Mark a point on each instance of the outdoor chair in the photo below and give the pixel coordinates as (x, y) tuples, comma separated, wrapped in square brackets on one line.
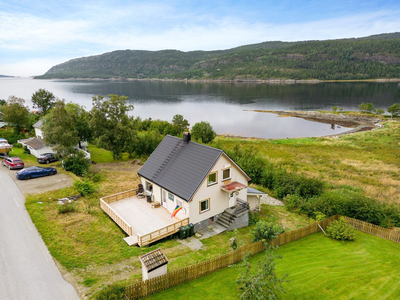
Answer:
[(140, 191)]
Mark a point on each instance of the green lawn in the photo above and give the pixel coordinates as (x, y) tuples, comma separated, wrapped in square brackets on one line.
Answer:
[(318, 268)]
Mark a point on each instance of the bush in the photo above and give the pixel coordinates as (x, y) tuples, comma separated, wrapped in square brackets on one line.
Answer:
[(18, 145), (253, 218), (203, 131), (26, 150), (265, 231), (66, 207), (77, 164), (112, 292), (340, 230), (85, 187)]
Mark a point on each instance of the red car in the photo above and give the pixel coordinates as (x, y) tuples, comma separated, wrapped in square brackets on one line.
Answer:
[(13, 163)]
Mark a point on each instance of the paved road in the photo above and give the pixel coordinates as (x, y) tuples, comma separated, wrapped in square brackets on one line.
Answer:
[(27, 270)]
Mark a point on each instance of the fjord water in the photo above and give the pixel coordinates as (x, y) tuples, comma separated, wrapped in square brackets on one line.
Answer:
[(227, 106)]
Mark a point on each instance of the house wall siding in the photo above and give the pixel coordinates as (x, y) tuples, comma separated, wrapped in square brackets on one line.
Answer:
[(219, 200), (157, 196)]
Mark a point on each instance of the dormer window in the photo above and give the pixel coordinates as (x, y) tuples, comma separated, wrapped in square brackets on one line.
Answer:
[(212, 178), (226, 174)]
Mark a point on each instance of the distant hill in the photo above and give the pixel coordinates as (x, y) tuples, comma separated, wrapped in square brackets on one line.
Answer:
[(376, 56), (1, 76)]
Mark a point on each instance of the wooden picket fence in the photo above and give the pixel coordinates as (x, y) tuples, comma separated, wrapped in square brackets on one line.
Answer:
[(154, 285), (385, 233), (157, 284)]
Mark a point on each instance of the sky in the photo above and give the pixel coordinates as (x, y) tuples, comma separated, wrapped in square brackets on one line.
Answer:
[(37, 34)]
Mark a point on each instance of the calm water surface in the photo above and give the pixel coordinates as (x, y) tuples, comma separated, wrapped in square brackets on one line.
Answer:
[(223, 105)]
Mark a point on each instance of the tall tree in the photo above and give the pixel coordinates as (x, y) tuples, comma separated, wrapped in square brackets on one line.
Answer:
[(81, 118), (16, 114), (110, 122), (43, 100), (180, 122), (394, 109), (59, 129)]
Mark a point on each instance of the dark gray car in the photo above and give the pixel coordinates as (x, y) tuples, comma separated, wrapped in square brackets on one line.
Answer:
[(46, 158)]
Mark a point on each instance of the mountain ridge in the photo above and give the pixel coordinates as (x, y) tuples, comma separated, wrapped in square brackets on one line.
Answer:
[(375, 56)]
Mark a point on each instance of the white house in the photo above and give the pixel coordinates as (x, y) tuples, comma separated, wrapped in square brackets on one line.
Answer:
[(204, 181), (36, 146), (39, 134), (186, 183)]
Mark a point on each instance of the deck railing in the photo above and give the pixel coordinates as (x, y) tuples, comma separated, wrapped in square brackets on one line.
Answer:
[(119, 196), (161, 233), (113, 215)]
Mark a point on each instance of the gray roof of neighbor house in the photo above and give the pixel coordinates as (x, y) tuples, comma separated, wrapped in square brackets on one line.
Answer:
[(35, 143), (251, 190), (178, 166), (38, 124)]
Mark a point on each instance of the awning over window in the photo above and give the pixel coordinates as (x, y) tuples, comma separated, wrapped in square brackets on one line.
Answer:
[(233, 187)]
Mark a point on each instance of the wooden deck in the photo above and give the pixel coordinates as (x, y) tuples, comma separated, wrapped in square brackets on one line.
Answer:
[(139, 220)]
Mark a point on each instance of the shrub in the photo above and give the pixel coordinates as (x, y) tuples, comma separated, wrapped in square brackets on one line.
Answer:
[(76, 163), (26, 150), (340, 230), (203, 131), (85, 187), (66, 207), (265, 231), (18, 145), (112, 292), (253, 218)]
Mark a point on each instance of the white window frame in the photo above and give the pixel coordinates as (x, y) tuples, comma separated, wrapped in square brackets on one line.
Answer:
[(208, 205), (213, 182), (229, 177)]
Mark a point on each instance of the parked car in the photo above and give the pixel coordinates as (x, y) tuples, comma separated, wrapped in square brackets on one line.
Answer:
[(33, 172), (46, 158), (13, 163)]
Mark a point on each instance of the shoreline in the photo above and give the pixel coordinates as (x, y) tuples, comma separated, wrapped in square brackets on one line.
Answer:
[(358, 123), (242, 80)]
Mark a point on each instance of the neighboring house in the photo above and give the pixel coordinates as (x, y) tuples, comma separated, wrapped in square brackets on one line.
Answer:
[(2, 124), (204, 183), (36, 146), (39, 134)]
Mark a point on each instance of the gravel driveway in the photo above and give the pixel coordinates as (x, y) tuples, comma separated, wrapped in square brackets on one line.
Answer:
[(41, 184)]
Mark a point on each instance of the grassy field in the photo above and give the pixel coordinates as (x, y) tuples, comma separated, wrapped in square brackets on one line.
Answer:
[(89, 246), (317, 268), (369, 160)]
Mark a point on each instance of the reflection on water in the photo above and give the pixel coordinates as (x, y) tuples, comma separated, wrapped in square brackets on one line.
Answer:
[(222, 104)]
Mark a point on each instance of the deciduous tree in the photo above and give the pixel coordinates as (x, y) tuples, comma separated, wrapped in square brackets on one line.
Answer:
[(43, 100), (394, 109), (81, 119), (59, 129), (16, 114), (203, 131), (259, 281), (110, 122), (180, 122)]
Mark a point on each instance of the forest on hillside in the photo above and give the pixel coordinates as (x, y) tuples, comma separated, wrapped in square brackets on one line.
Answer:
[(364, 58)]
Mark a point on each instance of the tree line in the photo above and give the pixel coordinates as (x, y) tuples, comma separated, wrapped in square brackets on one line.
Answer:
[(107, 124)]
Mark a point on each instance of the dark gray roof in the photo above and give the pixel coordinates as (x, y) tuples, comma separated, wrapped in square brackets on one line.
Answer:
[(251, 190), (179, 167), (38, 124)]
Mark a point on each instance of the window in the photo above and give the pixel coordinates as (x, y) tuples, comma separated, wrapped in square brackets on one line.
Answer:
[(212, 178), (170, 196), (149, 186), (204, 205), (226, 174), (179, 202)]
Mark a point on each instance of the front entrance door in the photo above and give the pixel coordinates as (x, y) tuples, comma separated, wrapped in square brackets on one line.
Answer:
[(231, 199), (164, 198)]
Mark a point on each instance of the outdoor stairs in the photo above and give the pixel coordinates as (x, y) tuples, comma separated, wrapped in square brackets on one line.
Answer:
[(230, 215)]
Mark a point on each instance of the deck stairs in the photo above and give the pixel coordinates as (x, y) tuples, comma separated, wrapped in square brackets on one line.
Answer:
[(231, 214)]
